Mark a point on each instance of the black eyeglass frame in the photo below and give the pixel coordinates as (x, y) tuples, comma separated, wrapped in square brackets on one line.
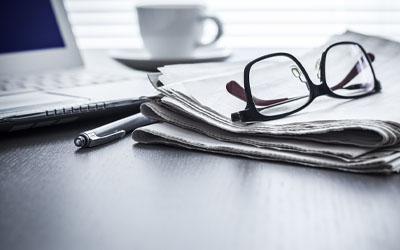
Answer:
[(251, 113)]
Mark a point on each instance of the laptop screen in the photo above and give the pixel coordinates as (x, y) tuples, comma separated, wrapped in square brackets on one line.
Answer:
[(28, 25)]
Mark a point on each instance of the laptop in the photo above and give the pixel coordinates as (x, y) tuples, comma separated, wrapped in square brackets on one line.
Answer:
[(42, 77)]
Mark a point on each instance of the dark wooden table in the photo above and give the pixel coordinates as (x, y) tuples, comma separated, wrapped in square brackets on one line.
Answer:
[(129, 196)]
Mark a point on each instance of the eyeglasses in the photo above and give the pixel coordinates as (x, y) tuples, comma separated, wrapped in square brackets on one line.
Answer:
[(283, 87)]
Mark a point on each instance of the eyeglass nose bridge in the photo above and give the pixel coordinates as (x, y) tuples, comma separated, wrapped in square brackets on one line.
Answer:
[(321, 89)]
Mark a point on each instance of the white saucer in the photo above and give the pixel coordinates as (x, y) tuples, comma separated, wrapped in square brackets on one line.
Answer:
[(141, 59)]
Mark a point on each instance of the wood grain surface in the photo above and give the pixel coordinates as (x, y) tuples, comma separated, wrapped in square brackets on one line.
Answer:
[(129, 196)]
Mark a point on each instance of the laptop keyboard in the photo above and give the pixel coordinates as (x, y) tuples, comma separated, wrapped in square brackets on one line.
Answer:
[(54, 80)]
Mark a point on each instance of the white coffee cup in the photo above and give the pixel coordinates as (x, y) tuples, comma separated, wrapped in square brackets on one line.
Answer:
[(174, 31)]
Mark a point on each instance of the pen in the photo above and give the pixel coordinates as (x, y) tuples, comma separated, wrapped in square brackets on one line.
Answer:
[(111, 131)]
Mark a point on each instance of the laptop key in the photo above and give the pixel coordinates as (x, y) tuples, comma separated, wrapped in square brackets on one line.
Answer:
[(76, 109), (92, 106), (100, 105), (68, 110), (84, 108), (59, 111), (50, 112)]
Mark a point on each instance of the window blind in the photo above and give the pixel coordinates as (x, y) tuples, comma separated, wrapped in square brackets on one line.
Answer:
[(110, 24)]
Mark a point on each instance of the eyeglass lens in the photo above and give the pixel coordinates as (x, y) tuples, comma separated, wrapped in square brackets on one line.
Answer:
[(278, 86), (347, 71)]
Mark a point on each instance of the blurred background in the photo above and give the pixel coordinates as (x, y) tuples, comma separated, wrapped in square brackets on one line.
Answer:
[(110, 24)]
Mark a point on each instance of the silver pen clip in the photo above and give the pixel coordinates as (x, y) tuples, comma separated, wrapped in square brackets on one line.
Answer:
[(90, 139)]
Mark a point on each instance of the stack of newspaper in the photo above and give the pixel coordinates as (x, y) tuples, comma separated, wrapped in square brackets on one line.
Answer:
[(359, 135)]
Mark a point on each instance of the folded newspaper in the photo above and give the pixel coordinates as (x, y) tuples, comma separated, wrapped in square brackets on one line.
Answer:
[(356, 135)]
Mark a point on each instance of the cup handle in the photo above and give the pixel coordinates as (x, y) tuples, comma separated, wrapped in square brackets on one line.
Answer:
[(220, 28)]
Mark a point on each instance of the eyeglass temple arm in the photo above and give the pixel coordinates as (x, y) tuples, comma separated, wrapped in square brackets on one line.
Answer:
[(236, 90), (353, 73)]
